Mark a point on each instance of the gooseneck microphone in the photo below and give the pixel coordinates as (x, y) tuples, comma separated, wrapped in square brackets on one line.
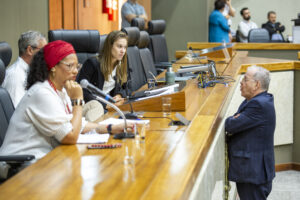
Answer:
[(85, 84)]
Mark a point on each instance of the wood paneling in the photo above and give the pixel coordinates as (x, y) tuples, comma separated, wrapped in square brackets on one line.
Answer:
[(299, 55), (287, 166), (55, 14)]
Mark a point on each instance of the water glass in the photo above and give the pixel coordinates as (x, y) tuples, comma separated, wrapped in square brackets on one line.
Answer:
[(166, 105)]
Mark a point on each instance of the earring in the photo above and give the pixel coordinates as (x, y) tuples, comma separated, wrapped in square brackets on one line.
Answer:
[(53, 72)]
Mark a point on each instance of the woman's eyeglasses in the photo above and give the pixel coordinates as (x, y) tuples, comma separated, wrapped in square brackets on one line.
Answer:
[(72, 66)]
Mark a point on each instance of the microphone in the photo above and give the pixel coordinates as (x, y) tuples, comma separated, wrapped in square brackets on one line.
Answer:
[(85, 84)]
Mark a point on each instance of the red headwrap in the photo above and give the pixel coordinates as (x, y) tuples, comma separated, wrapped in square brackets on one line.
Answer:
[(55, 51)]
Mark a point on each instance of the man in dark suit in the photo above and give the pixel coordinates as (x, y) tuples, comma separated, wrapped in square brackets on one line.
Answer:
[(250, 137), (274, 28)]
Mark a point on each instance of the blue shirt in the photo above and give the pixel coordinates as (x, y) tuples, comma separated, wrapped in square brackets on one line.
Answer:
[(218, 27), (130, 8)]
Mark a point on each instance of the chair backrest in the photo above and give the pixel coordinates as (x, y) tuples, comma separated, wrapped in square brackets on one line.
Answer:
[(85, 42), (237, 36), (136, 72), (102, 40), (138, 22), (6, 106), (258, 35), (158, 44), (146, 56), (5, 53)]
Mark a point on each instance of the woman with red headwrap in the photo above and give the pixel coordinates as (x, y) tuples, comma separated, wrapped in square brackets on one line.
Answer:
[(50, 112)]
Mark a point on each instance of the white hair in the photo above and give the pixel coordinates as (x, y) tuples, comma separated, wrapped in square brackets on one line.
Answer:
[(262, 75)]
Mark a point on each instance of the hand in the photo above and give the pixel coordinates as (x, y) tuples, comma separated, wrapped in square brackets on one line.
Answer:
[(119, 128), (236, 116), (74, 90), (228, 2), (119, 100)]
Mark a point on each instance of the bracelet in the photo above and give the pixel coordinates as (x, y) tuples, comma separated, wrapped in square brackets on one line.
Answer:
[(77, 102), (108, 127)]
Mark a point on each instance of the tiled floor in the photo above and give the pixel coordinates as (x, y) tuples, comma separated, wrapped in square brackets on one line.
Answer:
[(286, 186)]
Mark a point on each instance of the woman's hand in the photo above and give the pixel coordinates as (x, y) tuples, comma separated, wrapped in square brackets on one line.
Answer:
[(119, 100), (74, 90), (115, 128)]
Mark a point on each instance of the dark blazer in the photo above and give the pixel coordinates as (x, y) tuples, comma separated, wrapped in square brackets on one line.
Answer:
[(273, 29), (91, 71), (251, 141)]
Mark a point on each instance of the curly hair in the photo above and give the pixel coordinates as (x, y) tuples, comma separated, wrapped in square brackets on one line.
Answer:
[(38, 69)]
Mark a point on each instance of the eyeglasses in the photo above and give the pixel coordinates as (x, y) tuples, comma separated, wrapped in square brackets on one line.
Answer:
[(33, 47), (72, 66)]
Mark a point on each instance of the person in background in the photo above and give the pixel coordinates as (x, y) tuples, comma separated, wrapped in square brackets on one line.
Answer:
[(228, 12), (15, 78), (51, 111), (250, 137), (218, 25), (108, 72), (245, 25), (274, 28), (131, 9)]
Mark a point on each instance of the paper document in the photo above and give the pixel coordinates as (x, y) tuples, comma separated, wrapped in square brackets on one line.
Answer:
[(92, 137), (118, 121)]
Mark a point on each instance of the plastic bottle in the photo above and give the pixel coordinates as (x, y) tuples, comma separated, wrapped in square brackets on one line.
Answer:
[(170, 76)]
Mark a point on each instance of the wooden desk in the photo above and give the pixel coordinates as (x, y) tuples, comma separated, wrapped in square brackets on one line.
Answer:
[(298, 55), (265, 50), (165, 166)]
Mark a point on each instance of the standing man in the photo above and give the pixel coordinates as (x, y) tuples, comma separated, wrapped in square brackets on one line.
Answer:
[(16, 75), (130, 10), (274, 28), (245, 25), (250, 135), (218, 25)]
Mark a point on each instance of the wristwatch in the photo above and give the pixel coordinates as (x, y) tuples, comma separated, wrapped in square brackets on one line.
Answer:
[(109, 128), (77, 102)]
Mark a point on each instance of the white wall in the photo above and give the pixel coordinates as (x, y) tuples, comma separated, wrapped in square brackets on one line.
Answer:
[(285, 9)]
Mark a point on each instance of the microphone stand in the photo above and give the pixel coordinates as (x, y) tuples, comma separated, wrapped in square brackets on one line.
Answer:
[(119, 135)]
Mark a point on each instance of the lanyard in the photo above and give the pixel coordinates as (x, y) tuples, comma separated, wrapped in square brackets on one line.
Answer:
[(67, 109)]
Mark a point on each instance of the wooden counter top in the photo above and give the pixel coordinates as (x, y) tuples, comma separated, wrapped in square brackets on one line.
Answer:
[(165, 166)]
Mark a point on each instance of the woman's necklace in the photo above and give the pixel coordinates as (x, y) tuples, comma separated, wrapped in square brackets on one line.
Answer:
[(67, 109)]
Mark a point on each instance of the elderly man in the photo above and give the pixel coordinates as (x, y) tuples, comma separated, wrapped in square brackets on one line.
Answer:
[(16, 75), (131, 9), (274, 28), (250, 134)]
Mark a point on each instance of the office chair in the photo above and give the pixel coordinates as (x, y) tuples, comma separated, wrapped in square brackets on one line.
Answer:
[(85, 42), (259, 35), (138, 22), (5, 53), (158, 44), (237, 36), (6, 111), (146, 56), (101, 45), (136, 72)]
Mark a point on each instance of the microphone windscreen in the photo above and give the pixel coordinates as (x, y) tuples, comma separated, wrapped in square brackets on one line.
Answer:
[(84, 83)]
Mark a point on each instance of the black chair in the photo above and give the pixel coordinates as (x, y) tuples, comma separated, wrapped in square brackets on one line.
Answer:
[(85, 42), (5, 53), (158, 44), (259, 35), (136, 72), (138, 22), (146, 56), (237, 36), (6, 111), (101, 45)]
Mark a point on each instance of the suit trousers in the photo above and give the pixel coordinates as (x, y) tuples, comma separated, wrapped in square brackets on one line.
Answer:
[(250, 191)]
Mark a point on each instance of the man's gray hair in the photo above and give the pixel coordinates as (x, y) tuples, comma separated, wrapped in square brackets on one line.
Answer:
[(262, 75), (29, 38)]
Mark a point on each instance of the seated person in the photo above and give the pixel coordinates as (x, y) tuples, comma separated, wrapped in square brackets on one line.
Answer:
[(274, 28), (108, 72), (15, 78), (218, 25), (51, 111), (245, 25), (130, 10)]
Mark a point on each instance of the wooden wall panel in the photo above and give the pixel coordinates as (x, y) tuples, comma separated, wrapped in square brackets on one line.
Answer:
[(55, 14), (69, 14)]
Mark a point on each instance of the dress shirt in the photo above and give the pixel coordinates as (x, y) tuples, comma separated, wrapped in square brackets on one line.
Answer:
[(15, 80), (244, 27), (110, 84)]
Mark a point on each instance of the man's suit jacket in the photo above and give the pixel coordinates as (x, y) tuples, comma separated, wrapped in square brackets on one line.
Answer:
[(273, 29), (251, 141)]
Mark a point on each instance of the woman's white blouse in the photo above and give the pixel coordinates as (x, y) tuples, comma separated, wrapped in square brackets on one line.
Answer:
[(110, 84), (39, 123)]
